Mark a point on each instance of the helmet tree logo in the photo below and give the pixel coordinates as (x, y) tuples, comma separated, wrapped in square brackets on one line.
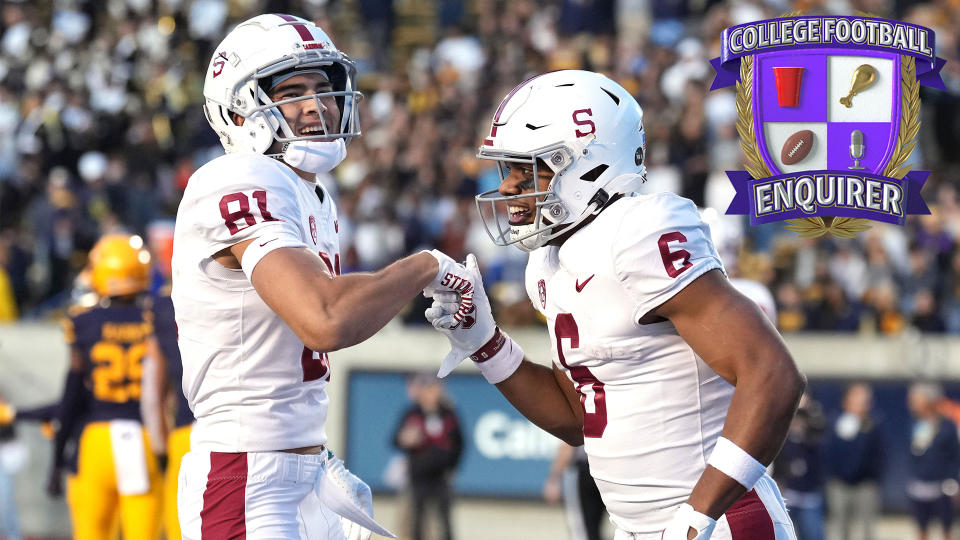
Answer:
[(828, 114)]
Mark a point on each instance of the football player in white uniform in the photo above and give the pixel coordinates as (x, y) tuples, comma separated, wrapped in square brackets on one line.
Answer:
[(682, 390), (258, 294)]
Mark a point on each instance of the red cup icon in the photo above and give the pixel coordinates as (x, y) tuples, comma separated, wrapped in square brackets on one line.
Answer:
[(788, 85)]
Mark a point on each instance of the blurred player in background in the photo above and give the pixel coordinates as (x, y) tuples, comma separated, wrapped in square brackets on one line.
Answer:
[(13, 456), (570, 481), (165, 407), (659, 345), (117, 473), (258, 294)]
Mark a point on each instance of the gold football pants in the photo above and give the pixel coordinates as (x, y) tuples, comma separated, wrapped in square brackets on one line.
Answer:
[(95, 500)]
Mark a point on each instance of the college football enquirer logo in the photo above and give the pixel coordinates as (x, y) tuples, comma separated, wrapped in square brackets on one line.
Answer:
[(828, 114)]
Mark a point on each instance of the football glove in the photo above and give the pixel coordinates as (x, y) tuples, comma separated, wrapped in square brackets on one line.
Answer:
[(350, 498), (453, 277), (463, 316), (687, 518)]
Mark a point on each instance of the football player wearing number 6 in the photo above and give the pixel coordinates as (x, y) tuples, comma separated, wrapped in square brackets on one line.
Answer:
[(258, 296), (117, 472), (679, 388)]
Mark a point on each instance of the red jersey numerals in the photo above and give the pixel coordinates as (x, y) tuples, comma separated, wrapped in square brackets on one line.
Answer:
[(588, 386), (316, 365), (670, 258), (235, 207)]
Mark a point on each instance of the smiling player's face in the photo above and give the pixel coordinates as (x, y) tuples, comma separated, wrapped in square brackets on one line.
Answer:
[(304, 116), (518, 180)]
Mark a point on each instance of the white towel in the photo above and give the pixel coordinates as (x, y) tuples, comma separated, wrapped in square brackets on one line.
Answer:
[(129, 457)]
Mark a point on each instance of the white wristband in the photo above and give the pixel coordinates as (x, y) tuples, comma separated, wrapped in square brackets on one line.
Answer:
[(736, 463), (499, 358)]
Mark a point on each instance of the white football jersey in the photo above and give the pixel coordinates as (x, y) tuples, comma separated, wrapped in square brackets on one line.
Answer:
[(250, 382), (653, 409)]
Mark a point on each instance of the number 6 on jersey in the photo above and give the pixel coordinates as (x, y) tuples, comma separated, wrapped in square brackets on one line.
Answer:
[(588, 386)]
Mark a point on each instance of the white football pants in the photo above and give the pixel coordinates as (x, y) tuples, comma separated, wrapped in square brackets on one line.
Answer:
[(257, 495), (758, 515)]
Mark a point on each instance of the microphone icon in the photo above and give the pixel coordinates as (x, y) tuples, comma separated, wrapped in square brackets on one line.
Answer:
[(856, 148)]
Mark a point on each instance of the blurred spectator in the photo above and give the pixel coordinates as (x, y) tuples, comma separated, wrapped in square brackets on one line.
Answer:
[(925, 317), (834, 312), (798, 470), (791, 315), (935, 460), (8, 301), (570, 481), (429, 434), (13, 456), (854, 453)]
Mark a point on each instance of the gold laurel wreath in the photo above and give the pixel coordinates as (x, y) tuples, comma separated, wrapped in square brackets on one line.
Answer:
[(841, 227)]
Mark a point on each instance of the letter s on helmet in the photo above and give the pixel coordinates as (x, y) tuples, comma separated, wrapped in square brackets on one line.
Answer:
[(587, 128), (257, 50), (119, 265)]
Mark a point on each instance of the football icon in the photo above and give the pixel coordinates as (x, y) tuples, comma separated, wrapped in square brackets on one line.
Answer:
[(796, 147)]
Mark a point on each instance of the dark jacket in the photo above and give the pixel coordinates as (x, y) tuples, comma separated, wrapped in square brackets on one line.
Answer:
[(938, 459), (858, 459), (440, 447)]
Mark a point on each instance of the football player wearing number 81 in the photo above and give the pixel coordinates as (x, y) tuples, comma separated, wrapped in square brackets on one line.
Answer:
[(678, 386), (258, 296)]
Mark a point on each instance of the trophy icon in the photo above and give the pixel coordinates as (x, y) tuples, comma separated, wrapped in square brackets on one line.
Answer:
[(863, 77)]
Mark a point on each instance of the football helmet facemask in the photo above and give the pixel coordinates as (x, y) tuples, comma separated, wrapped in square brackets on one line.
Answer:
[(249, 61), (586, 128), (119, 265)]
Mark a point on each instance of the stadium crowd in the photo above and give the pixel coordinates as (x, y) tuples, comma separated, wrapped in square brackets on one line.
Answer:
[(101, 126)]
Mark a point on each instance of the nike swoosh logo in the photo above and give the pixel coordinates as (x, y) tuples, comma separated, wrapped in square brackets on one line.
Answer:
[(532, 127), (580, 286), (272, 239)]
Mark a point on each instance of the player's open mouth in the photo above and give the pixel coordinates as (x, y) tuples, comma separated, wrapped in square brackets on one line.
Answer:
[(518, 215), (313, 130)]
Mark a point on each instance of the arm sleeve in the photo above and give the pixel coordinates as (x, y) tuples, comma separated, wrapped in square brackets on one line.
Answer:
[(72, 407), (39, 414), (258, 201), (662, 246)]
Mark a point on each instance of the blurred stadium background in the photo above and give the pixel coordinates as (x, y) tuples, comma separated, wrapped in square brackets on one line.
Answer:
[(101, 126)]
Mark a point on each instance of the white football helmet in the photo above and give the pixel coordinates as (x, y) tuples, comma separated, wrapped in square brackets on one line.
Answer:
[(260, 48), (587, 128)]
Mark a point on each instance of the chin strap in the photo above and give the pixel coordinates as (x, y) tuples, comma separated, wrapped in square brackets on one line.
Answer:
[(313, 156)]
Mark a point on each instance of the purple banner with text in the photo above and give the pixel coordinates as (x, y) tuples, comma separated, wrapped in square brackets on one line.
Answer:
[(807, 32), (828, 193)]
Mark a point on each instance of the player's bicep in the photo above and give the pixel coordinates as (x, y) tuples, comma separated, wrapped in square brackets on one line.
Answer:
[(723, 326), (297, 286)]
